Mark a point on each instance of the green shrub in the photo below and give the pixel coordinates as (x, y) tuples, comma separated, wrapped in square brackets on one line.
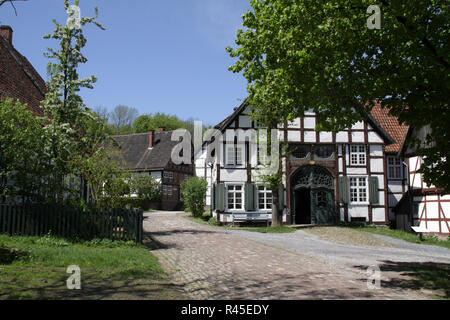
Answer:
[(193, 193), (128, 202), (146, 187), (212, 221), (115, 190)]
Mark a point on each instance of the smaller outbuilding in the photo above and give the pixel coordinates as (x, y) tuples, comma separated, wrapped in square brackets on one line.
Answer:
[(149, 154)]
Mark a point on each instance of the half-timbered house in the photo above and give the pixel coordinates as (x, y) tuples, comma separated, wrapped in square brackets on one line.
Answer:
[(423, 206), (327, 177), (396, 164), (149, 154)]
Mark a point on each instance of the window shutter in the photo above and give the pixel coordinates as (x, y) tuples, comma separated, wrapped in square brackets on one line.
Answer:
[(220, 197), (239, 155), (373, 192), (213, 197), (249, 197), (281, 197), (344, 195), (230, 155), (256, 196)]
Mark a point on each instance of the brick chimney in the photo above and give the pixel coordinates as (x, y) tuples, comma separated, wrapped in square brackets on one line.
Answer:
[(161, 129), (7, 33), (151, 140)]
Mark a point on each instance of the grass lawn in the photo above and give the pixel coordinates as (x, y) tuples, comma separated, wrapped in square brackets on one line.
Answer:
[(206, 220), (346, 236), (410, 237), (426, 276), (35, 268)]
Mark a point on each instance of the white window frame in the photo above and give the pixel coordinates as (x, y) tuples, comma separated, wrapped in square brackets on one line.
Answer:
[(169, 190), (359, 156), (233, 160), (360, 189), (164, 189), (234, 191), (263, 191), (396, 164)]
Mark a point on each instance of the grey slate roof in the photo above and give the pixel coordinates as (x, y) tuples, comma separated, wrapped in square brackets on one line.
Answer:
[(137, 155)]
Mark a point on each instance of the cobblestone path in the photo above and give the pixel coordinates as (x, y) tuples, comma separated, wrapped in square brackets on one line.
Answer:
[(210, 263)]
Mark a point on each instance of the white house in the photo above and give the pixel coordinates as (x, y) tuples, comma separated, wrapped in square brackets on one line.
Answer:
[(328, 177), (423, 205)]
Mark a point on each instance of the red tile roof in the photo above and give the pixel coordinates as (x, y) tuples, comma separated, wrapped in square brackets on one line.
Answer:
[(392, 127), (18, 79)]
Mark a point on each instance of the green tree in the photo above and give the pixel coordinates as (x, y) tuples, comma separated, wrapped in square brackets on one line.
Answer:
[(65, 134), (98, 160), (145, 123), (313, 54), (23, 164), (194, 194), (270, 173), (115, 190), (146, 187)]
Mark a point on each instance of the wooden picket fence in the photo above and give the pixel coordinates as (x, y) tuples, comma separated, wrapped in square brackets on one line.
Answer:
[(39, 220)]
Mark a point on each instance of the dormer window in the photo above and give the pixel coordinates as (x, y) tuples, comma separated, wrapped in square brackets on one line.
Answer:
[(234, 155)]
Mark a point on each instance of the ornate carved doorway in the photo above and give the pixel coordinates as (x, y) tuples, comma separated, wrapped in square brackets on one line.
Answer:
[(312, 196)]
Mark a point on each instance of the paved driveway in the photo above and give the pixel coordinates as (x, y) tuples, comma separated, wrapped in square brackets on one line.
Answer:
[(353, 255), (212, 263)]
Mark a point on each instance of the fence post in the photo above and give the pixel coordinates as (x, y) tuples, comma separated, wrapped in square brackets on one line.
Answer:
[(139, 227)]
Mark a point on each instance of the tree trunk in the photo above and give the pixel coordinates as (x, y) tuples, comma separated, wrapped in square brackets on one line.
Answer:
[(276, 215)]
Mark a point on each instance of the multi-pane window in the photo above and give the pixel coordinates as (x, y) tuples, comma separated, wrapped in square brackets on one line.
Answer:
[(395, 168), (264, 198), (234, 155), (169, 190), (168, 175), (358, 189), (164, 190), (358, 155), (235, 195)]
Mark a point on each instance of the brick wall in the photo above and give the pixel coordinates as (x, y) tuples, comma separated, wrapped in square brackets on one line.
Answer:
[(18, 79)]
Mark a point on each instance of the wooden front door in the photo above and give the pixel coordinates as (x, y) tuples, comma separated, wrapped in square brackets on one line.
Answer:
[(312, 194), (322, 206)]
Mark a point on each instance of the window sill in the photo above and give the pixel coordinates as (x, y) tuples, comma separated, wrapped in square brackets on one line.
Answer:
[(229, 166), (357, 204)]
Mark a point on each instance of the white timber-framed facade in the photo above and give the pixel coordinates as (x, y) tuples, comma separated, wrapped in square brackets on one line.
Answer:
[(321, 173)]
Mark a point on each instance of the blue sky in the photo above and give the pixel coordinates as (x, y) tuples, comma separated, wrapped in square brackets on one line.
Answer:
[(155, 55)]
